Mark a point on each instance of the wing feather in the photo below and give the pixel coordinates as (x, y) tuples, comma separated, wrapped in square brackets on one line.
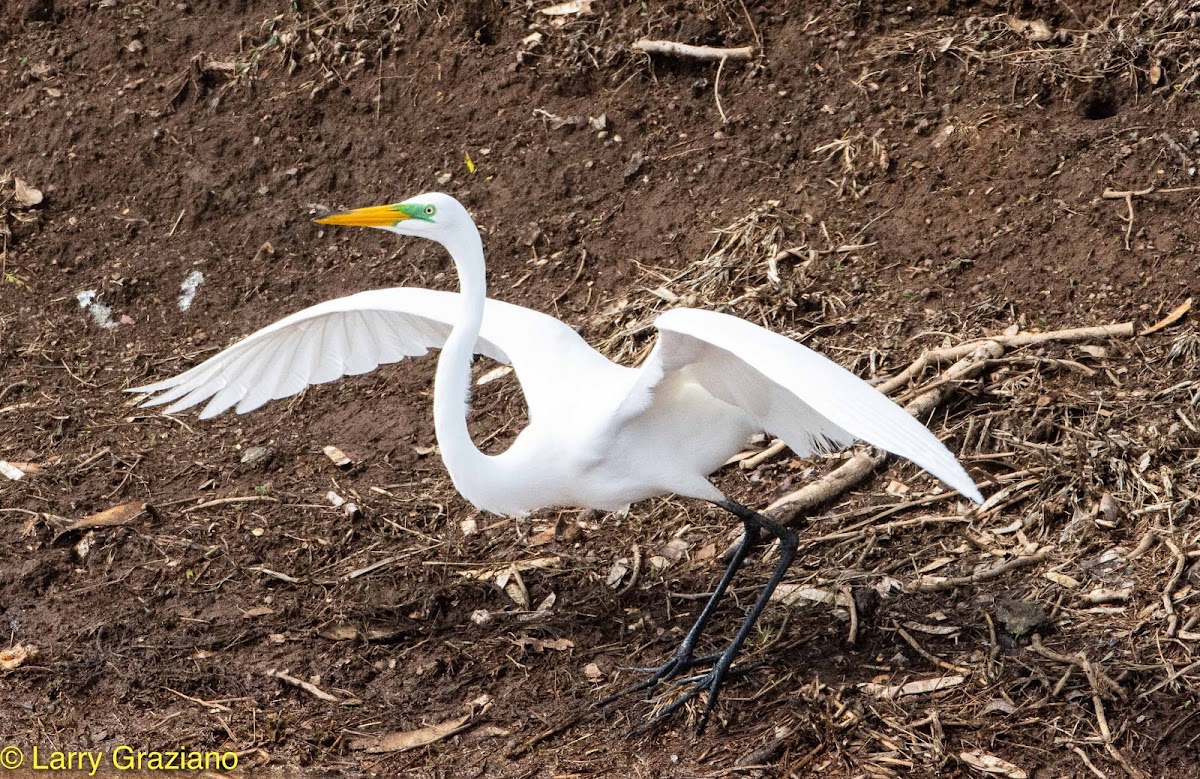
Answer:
[(795, 393), (212, 385), (356, 334), (271, 376)]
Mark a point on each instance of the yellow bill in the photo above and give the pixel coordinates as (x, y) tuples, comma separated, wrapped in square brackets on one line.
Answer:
[(371, 216)]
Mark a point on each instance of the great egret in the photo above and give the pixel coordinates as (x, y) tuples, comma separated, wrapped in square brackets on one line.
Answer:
[(600, 435)]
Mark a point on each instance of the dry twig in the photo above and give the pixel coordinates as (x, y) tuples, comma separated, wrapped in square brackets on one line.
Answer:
[(673, 49)]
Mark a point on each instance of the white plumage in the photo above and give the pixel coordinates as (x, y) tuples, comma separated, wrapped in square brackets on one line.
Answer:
[(600, 435)]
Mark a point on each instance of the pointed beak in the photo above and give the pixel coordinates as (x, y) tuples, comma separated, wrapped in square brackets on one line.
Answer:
[(372, 216)]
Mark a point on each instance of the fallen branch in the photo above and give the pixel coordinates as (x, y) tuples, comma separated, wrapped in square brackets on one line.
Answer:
[(936, 356), (829, 486), (673, 49), (113, 517), (633, 574), (931, 584), (1178, 313), (1127, 196), (402, 741), (1118, 194), (931, 657), (717, 91)]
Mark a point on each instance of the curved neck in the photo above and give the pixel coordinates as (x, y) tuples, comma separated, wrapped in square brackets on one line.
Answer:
[(452, 383)]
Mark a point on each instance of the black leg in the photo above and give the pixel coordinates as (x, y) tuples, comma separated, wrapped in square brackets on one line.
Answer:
[(788, 542), (722, 668), (683, 659)]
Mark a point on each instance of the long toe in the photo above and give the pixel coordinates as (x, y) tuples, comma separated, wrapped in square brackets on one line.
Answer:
[(677, 665), (691, 687), (666, 672)]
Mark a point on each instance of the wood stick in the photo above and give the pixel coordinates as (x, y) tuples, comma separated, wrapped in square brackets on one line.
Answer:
[(940, 585), (228, 501), (930, 656), (755, 460), (674, 49), (1072, 335), (1121, 194), (309, 688)]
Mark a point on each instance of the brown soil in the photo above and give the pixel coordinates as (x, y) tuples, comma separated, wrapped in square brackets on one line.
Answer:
[(946, 174)]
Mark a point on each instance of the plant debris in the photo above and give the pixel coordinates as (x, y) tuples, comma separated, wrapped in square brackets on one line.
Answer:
[(17, 655), (402, 741)]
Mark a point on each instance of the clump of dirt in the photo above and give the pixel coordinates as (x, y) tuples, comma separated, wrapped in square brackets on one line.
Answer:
[(877, 181)]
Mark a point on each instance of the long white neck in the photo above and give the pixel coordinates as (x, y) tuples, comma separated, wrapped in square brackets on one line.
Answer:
[(469, 468)]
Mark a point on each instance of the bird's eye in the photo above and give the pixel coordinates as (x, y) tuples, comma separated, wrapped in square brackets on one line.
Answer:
[(430, 210)]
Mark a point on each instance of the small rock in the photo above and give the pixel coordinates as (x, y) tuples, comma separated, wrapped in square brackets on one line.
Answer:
[(636, 162), (84, 546), (1034, 30), (570, 534), (134, 46), (26, 196), (258, 456), (1020, 618), (338, 457), (14, 656), (1108, 513)]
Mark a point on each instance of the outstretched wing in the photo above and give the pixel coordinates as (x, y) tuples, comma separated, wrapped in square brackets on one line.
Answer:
[(356, 334), (807, 400)]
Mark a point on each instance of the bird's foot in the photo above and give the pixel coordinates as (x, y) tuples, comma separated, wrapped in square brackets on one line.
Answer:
[(672, 673), (681, 662), (692, 686)]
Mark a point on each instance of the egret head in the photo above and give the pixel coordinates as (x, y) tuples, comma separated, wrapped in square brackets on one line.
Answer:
[(433, 215)]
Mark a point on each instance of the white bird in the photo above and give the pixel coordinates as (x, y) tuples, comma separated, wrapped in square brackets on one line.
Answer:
[(600, 435)]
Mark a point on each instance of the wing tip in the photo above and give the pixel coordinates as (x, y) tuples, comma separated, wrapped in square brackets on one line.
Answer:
[(972, 492), (149, 389)]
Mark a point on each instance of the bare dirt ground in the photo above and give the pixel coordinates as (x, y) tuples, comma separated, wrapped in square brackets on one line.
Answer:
[(938, 171)]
